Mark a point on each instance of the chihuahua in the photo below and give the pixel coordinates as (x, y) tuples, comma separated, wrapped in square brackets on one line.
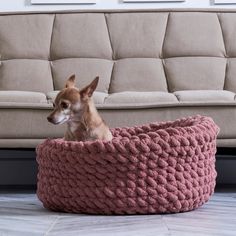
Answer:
[(76, 108)]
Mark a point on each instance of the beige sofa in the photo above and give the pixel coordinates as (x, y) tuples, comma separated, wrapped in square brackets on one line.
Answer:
[(153, 65)]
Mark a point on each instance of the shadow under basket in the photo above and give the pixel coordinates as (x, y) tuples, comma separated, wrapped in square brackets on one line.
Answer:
[(162, 167)]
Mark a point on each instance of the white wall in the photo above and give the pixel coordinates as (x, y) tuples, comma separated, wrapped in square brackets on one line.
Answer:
[(24, 5)]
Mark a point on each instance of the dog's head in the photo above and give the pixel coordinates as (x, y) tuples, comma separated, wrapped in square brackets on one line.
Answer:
[(70, 101)]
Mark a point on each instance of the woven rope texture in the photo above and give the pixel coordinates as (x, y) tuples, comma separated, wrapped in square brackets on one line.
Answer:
[(157, 168)]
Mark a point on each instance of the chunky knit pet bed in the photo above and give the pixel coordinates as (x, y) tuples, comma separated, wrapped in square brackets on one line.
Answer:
[(157, 168)]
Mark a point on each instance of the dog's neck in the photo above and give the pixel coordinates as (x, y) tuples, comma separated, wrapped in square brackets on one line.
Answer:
[(81, 126)]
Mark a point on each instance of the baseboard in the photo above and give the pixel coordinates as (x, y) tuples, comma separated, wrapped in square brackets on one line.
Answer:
[(18, 167), (225, 166), (18, 188)]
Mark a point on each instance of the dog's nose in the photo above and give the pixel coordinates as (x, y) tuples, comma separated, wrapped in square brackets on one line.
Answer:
[(49, 118)]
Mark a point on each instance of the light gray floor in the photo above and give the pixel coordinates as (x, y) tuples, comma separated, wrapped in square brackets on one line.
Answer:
[(23, 214)]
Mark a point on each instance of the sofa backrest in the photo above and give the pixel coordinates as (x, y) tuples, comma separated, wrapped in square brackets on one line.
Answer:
[(130, 51)]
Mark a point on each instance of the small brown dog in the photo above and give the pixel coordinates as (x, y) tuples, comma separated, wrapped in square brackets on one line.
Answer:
[(76, 108)]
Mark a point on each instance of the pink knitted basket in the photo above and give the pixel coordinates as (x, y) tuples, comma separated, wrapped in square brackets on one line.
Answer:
[(157, 168)]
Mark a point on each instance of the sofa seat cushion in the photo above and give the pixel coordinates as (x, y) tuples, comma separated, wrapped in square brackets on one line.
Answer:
[(31, 123), (140, 98), (98, 97), (22, 97), (205, 96), (131, 99)]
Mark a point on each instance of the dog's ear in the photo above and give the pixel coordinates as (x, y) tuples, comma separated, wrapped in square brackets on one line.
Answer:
[(89, 89), (70, 83)]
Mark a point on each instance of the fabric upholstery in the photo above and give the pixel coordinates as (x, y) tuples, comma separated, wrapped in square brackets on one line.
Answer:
[(71, 40), (193, 34), (137, 34), (20, 143), (140, 98), (226, 143), (98, 97), (80, 35), (153, 65), (26, 36), (228, 21), (230, 83), (129, 75), (32, 122), (195, 73), (205, 96), (27, 123), (26, 75), (85, 70), (22, 97)]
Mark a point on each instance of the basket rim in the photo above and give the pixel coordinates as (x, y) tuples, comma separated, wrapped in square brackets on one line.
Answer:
[(190, 127)]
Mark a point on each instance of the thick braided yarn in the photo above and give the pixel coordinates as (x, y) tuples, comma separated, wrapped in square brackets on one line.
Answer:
[(157, 168)]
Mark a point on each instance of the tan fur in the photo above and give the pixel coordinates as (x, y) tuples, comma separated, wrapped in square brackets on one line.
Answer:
[(77, 109)]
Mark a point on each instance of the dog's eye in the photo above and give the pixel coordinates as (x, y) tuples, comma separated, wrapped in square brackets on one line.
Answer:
[(64, 105), (53, 104)]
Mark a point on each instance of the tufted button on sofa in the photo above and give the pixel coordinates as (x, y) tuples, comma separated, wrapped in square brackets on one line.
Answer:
[(153, 65)]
